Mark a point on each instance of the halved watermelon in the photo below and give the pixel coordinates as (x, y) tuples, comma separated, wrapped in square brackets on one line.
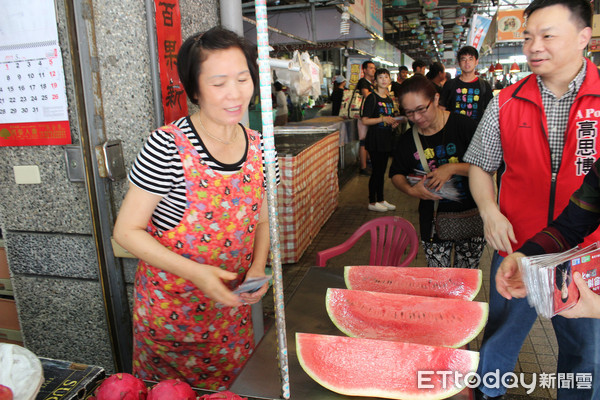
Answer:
[(380, 368), (406, 318), (451, 283)]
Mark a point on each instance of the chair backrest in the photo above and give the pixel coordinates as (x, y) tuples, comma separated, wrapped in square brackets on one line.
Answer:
[(394, 242)]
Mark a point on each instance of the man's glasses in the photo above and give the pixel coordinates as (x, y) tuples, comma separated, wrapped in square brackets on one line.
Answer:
[(417, 111)]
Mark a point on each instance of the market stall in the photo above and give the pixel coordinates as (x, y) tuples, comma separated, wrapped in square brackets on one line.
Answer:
[(305, 312), (307, 194)]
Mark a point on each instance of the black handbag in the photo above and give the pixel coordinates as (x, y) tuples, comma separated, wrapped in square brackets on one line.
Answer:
[(458, 225)]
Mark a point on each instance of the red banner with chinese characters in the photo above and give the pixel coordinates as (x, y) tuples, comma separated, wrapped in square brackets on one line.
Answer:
[(168, 34), (35, 133)]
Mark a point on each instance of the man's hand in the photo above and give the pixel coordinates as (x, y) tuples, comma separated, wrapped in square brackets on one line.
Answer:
[(588, 305), (498, 230), (509, 281)]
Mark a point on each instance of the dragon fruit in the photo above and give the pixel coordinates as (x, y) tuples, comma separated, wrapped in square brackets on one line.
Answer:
[(227, 395), (172, 389), (5, 393), (122, 386)]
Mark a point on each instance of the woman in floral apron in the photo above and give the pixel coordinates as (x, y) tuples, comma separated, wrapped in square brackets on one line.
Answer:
[(195, 217)]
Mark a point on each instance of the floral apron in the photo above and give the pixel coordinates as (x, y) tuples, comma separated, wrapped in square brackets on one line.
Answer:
[(179, 332)]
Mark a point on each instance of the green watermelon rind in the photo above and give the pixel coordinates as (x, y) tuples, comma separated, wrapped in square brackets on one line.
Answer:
[(377, 392), (479, 283), (476, 290), (467, 339)]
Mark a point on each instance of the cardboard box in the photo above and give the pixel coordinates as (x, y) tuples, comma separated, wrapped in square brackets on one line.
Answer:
[(65, 380), (596, 26)]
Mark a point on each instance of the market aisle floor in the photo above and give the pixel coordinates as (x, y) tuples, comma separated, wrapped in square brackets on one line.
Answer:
[(538, 354)]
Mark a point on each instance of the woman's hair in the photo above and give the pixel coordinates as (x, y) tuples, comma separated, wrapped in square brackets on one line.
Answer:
[(417, 84), (197, 48), (380, 71)]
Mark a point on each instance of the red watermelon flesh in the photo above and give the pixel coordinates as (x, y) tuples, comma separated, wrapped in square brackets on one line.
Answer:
[(380, 368), (452, 283), (406, 318)]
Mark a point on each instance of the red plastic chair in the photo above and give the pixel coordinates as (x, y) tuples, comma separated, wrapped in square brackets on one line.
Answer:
[(394, 242)]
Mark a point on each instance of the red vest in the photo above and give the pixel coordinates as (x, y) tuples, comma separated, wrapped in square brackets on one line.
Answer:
[(530, 196)]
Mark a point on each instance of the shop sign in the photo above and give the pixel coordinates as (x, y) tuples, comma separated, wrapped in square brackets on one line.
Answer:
[(168, 35), (359, 11), (511, 24), (596, 25), (375, 17), (33, 99)]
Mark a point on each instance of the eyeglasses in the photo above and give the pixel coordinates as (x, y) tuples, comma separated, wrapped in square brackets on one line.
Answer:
[(417, 111)]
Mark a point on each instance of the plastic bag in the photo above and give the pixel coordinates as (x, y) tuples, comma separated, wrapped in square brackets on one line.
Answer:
[(21, 371)]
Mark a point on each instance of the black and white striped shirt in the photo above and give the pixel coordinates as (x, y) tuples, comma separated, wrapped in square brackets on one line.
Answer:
[(158, 170)]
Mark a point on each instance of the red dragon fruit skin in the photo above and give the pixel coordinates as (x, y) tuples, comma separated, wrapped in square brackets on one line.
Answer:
[(172, 389), (5, 393), (122, 386)]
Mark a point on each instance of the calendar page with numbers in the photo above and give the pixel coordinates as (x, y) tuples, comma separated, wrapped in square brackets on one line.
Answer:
[(33, 103)]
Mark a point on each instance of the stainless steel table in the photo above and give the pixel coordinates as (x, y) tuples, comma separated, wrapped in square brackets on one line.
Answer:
[(305, 312)]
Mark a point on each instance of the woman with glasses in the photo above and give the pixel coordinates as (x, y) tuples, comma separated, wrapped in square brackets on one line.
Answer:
[(444, 138), (378, 114), (195, 215)]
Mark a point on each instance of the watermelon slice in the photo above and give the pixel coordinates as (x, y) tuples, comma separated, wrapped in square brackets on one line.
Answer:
[(380, 368), (452, 283), (406, 318)]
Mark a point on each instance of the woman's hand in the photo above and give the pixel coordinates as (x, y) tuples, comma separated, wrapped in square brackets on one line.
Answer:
[(254, 297), (421, 192), (439, 176), (390, 121), (209, 280)]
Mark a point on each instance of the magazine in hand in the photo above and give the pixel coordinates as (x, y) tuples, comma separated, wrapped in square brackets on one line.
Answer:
[(448, 190), (549, 278)]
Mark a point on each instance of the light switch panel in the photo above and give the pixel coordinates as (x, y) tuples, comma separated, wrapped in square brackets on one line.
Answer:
[(27, 174)]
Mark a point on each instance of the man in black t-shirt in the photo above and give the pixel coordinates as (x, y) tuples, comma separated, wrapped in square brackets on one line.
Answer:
[(365, 88), (467, 94)]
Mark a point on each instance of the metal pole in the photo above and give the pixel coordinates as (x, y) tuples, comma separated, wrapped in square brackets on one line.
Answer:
[(231, 18), (269, 143), (154, 71), (98, 189), (313, 21)]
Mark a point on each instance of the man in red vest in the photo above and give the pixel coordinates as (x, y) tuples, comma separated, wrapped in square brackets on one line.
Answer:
[(546, 129)]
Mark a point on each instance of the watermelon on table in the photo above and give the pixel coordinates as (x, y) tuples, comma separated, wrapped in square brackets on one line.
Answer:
[(406, 318), (452, 283), (380, 368)]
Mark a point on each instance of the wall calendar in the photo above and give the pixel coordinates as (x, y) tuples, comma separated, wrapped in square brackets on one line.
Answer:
[(33, 102)]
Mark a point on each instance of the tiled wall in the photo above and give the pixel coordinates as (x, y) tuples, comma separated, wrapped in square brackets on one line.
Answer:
[(48, 227)]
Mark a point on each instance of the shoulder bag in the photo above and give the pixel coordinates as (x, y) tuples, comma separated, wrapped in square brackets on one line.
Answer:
[(450, 226)]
